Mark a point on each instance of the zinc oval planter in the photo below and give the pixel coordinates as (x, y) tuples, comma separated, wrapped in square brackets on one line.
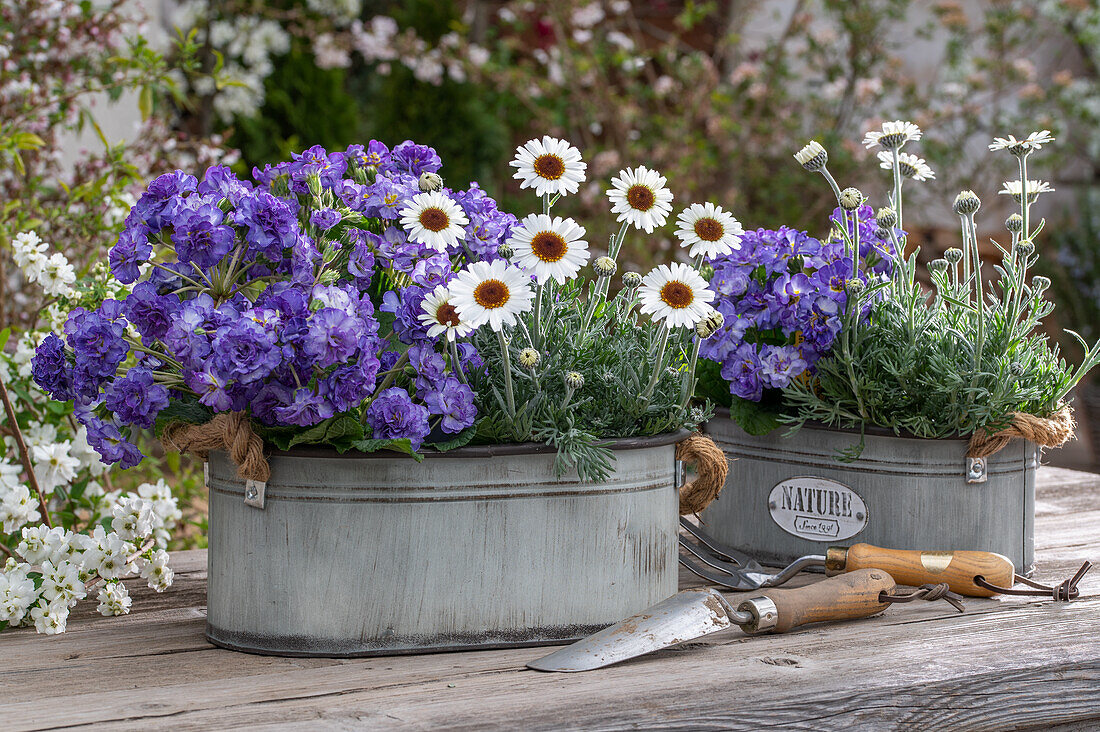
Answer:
[(480, 547), (786, 497)]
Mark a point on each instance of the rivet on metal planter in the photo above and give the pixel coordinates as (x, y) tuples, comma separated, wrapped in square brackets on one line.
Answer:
[(976, 470), (254, 491)]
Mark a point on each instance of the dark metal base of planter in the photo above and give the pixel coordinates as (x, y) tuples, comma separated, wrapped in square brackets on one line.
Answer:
[(306, 647)]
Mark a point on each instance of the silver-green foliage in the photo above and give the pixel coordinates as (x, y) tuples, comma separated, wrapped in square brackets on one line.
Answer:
[(956, 360)]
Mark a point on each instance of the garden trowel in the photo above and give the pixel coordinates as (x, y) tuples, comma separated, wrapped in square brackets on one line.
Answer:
[(695, 613)]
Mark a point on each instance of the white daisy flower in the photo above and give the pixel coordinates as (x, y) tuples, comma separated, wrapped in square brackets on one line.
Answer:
[(1034, 188), (549, 248), (1034, 141), (640, 197), (549, 166), (707, 230), (910, 165), (441, 316), (892, 135), (435, 220), (676, 294), (494, 293)]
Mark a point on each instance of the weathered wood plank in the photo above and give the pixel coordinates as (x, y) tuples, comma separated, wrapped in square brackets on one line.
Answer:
[(1006, 663)]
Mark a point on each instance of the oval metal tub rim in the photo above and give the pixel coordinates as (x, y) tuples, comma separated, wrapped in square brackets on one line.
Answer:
[(481, 451), (869, 430)]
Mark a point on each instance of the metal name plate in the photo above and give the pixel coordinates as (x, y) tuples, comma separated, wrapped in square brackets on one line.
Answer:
[(817, 509)]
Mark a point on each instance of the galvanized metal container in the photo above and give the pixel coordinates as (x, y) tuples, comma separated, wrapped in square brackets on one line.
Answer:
[(481, 547), (790, 496)]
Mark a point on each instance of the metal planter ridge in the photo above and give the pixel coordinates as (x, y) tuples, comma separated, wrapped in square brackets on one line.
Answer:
[(786, 497), (482, 547)]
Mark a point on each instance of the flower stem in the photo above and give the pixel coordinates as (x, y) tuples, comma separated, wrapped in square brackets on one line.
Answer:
[(506, 358), (688, 387), (456, 362), (658, 365), (24, 455), (392, 374)]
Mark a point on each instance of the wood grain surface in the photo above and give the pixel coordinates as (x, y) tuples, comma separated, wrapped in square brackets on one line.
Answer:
[(957, 569), (1008, 663)]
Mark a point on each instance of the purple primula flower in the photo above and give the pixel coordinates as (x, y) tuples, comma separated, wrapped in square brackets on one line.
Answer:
[(742, 372), (305, 409), (333, 337), (152, 314), (245, 351), (454, 402), (98, 347), (348, 386), (136, 399), (50, 369), (267, 177), (201, 237), (132, 250), (106, 438), (188, 337), (375, 155), (428, 365), (433, 271), (329, 167), (220, 182), (325, 218), (161, 192), (385, 198), (779, 365), (413, 159), (272, 224), (392, 415), (268, 399), (210, 386)]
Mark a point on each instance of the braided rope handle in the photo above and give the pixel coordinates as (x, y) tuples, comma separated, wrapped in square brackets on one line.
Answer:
[(229, 431), (711, 468), (1050, 431)]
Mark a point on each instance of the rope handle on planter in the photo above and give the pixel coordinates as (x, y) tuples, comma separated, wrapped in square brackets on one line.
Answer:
[(229, 431), (1050, 431), (711, 468)]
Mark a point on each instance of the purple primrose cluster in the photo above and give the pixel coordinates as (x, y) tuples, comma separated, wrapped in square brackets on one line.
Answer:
[(268, 297)]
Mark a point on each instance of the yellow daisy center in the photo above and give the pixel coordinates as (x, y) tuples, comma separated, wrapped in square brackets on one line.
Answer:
[(640, 197), (491, 294), (434, 219), (709, 229), (548, 246), (548, 166), (447, 315), (677, 295)]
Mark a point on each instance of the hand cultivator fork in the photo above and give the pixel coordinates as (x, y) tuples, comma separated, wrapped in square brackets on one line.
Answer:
[(971, 573)]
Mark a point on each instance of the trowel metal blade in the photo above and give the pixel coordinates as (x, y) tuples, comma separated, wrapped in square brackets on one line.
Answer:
[(684, 616)]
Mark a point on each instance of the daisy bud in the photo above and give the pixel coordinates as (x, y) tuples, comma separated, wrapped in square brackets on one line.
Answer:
[(1017, 369), (631, 280), (605, 267), (430, 182), (1015, 223), (1040, 284), (966, 203), (953, 255), (886, 217), (937, 265), (505, 252), (574, 380), (812, 157), (1025, 248), (529, 358), (851, 199), (854, 287), (882, 234), (710, 324)]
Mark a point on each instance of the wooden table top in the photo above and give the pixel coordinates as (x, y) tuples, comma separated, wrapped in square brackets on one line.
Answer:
[(1008, 663)]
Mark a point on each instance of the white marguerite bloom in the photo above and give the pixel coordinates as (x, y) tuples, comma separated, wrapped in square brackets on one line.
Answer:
[(707, 230), (549, 166), (676, 294), (910, 165), (494, 293), (812, 156), (441, 316), (892, 135), (1014, 188), (435, 220), (1034, 141), (549, 248), (639, 197)]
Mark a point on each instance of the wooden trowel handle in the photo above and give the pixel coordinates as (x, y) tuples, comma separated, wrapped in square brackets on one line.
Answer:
[(845, 597), (915, 568)]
